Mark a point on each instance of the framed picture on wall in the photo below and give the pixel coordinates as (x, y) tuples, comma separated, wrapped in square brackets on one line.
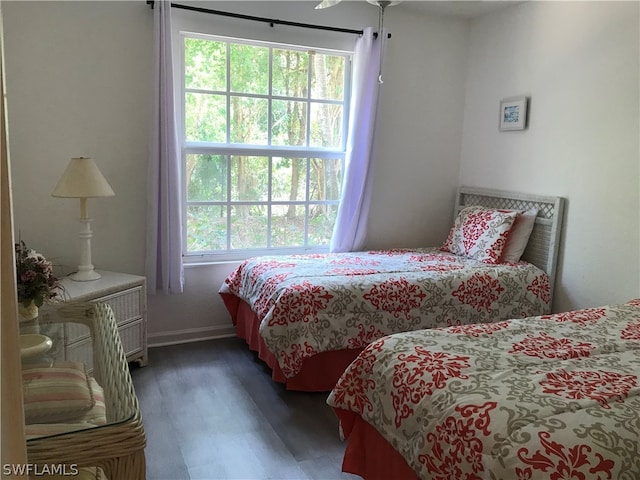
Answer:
[(513, 114)]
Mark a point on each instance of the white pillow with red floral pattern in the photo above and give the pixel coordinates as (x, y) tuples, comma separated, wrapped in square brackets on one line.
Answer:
[(480, 233)]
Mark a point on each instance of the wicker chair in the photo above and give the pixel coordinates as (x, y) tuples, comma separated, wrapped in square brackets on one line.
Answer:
[(117, 447)]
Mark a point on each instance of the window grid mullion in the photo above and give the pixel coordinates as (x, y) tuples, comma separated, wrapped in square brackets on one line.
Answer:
[(270, 98), (308, 101), (228, 92), (269, 141), (260, 151), (307, 211), (270, 197), (306, 203), (229, 204)]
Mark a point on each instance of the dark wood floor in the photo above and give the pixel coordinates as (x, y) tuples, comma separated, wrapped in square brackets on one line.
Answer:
[(211, 411)]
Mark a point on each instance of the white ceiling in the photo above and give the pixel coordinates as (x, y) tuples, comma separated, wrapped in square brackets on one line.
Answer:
[(457, 8)]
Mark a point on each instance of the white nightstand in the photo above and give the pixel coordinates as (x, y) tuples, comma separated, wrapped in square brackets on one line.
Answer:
[(127, 296)]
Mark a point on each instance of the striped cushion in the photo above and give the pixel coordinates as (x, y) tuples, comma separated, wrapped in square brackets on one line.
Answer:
[(94, 417), (58, 393)]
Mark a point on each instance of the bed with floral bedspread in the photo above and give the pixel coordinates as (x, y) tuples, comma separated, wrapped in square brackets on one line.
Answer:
[(309, 304), (548, 397)]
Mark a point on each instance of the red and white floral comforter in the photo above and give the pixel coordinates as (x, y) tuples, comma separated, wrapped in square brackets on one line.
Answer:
[(552, 397), (309, 304)]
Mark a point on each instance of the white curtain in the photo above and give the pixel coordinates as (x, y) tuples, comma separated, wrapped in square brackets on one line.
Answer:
[(164, 218), (351, 223)]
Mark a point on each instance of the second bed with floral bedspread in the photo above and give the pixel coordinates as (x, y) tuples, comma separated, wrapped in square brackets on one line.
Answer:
[(549, 397)]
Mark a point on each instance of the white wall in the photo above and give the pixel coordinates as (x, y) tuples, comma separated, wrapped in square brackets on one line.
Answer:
[(579, 63), (418, 131), (77, 80), (77, 85)]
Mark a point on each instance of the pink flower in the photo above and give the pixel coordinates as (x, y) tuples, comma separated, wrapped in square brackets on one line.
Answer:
[(35, 281), (28, 276)]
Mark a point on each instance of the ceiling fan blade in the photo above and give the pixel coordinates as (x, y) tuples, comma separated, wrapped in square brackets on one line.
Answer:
[(327, 3)]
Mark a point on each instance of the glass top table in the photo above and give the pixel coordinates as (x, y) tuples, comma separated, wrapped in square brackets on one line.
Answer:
[(79, 402)]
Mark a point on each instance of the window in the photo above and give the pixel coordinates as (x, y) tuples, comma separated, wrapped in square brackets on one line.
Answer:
[(263, 145)]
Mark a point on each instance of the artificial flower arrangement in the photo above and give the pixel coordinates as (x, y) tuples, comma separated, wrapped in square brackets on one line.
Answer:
[(34, 277)]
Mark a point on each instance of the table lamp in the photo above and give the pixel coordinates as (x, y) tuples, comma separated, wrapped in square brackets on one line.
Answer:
[(82, 179)]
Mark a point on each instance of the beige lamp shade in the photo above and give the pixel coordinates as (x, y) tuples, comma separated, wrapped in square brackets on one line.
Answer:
[(82, 179)]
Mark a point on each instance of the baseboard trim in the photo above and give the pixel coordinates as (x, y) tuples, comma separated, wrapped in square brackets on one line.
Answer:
[(188, 335)]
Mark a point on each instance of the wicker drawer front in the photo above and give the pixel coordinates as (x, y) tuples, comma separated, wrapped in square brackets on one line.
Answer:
[(126, 305), (132, 336), (127, 296)]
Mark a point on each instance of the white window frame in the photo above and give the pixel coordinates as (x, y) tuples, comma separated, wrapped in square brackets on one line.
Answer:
[(228, 149)]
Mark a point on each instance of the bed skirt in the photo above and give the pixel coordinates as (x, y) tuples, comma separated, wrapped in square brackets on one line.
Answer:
[(319, 373), (368, 454)]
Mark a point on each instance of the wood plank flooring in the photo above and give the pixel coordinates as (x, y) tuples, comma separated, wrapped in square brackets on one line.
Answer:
[(211, 411)]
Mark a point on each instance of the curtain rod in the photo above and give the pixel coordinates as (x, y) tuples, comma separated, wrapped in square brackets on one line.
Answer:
[(270, 21)]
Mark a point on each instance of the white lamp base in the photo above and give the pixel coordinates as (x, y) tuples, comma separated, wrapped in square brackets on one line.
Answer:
[(85, 271), (85, 276)]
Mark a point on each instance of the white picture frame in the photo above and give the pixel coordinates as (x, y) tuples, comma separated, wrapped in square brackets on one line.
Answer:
[(513, 114)]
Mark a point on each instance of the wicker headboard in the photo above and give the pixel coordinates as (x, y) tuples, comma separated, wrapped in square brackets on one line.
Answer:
[(543, 246)]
